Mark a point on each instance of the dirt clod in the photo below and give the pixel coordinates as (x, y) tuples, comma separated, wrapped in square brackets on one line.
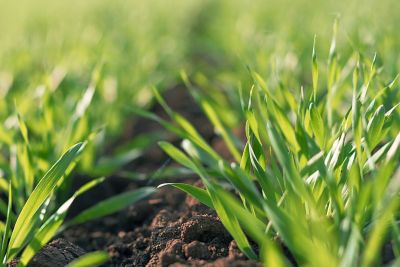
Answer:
[(172, 233), (203, 228), (197, 250), (234, 252), (59, 252)]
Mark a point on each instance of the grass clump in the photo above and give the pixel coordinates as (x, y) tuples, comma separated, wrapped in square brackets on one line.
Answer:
[(28, 229), (318, 173)]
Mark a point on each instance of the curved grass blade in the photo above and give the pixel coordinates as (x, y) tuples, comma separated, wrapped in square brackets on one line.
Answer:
[(6, 227), (39, 195), (317, 124), (231, 222), (90, 259), (271, 255), (196, 192), (53, 224), (112, 205)]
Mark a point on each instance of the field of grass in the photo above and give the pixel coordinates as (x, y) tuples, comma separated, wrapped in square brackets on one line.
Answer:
[(312, 85)]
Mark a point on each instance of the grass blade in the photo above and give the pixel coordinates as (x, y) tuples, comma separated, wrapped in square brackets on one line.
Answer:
[(111, 205), (90, 259), (53, 224), (6, 228), (196, 192), (38, 197)]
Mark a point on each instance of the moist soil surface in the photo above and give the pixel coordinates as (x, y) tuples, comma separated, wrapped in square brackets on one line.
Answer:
[(169, 228)]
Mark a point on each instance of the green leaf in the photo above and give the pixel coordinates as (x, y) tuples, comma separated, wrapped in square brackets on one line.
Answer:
[(177, 155), (184, 160), (90, 259), (285, 125), (374, 127), (243, 183), (7, 226), (286, 161), (108, 165), (314, 71), (272, 256), (39, 195), (196, 192), (228, 138), (230, 221), (53, 224), (23, 128), (112, 204), (318, 126), (356, 119), (394, 149), (254, 226), (351, 251), (376, 237)]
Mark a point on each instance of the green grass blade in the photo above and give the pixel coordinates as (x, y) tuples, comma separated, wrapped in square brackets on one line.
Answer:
[(111, 205), (229, 220), (90, 259), (228, 138), (196, 192), (53, 224), (286, 161), (38, 197), (6, 228), (314, 71), (272, 256), (374, 127), (318, 126), (177, 155), (23, 128)]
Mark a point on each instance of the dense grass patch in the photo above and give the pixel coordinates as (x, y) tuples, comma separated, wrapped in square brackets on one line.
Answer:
[(318, 171)]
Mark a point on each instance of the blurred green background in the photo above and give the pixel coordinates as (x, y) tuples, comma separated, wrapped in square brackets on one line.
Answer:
[(70, 67)]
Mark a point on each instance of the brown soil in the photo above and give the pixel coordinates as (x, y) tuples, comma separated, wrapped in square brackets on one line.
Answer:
[(167, 229)]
